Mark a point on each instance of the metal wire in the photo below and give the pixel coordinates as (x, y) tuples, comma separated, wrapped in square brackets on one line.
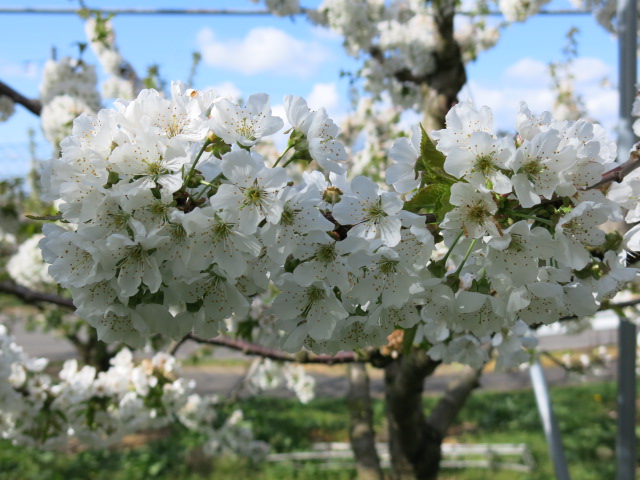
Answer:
[(210, 11)]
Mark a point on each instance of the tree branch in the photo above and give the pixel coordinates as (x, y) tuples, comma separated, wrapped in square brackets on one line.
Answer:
[(175, 346), (453, 400), (617, 174), (34, 106), (31, 296), (249, 348), (634, 302)]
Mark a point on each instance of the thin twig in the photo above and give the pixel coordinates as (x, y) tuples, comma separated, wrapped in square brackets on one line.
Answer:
[(617, 174), (554, 360), (173, 348)]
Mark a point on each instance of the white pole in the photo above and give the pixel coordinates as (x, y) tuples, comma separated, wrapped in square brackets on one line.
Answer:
[(549, 424)]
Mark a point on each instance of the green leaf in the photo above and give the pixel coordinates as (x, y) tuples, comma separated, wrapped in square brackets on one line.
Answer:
[(51, 218), (444, 205), (433, 198), (431, 162)]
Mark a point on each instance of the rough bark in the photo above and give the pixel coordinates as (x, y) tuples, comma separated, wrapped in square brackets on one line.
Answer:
[(414, 447), (361, 432), (415, 440), (453, 400)]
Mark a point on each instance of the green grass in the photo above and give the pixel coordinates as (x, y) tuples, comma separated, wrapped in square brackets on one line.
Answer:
[(586, 415)]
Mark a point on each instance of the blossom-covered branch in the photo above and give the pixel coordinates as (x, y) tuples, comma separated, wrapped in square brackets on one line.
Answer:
[(100, 408), (178, 225)]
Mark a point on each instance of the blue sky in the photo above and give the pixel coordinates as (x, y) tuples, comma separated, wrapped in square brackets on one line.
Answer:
[(245, 55)]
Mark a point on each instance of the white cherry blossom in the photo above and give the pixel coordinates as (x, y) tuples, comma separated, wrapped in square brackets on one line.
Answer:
[(405, 152), (372, 214), (244, 125)]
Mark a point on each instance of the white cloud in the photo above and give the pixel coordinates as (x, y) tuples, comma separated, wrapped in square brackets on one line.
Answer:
[(323, 95), (227, 89), (18, 70), (590, 70), (264, 49), (526, 71), (528, 80), (603, 107)]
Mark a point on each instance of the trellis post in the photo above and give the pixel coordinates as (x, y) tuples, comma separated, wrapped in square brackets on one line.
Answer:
[(627, 13)]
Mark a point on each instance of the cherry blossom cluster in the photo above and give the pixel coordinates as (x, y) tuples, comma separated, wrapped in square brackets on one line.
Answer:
[(282, 8), (122, 81), (604, 11), (9, 218), (376, 128), (398, 36), (596, 362), (99, 409), (173, 224), (26, 267), (265, 374), (520, 10), (68, 88)]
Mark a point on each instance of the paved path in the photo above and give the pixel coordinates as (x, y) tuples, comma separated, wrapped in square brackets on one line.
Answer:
[(334, 384), (330, 381)]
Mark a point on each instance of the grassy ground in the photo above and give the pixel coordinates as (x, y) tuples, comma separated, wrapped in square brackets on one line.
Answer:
[(586, 415)]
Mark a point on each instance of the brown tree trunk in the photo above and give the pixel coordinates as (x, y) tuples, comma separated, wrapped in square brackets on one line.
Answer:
[(415, 441), (441, 88), (361, 432), (414, 447)]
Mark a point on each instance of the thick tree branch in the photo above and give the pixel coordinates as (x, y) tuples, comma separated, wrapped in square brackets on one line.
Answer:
[(453, 400), (34, 106), (31, 296)]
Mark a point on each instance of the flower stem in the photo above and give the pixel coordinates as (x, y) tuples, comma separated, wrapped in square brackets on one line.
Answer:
[(288, 162), (466, 256), (282, 156), (206, 143), (531, 217), (212, 184), (455, 242)]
